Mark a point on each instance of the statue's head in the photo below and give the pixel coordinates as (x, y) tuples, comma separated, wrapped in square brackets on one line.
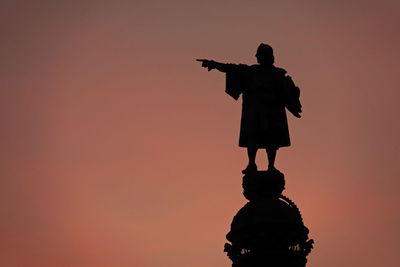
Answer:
[(265, 54)]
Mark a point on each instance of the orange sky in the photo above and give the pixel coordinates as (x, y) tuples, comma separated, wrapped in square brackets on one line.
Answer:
[(119, 150)]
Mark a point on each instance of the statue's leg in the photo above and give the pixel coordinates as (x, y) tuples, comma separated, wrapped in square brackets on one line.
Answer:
[(252, 152), (271, 154), (251, 167)]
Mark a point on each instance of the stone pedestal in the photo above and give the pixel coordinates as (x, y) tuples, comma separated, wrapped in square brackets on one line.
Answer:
[(268, 231)]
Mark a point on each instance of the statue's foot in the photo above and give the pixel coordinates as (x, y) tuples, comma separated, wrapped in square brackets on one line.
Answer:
[(251, 168), (272, 169)]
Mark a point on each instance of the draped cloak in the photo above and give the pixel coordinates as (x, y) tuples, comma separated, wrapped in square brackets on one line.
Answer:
[(266, 92)]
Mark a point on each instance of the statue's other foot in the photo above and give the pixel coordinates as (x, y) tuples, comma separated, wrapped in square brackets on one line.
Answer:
[(272, 169), (251, 168)]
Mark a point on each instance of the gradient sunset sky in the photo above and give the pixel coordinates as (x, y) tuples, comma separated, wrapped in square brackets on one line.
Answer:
[(118, 149)]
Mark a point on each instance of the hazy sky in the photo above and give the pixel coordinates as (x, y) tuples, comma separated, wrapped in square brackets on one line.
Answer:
[(118, 149)]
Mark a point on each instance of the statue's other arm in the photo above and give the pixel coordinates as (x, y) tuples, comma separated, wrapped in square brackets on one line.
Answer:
[(211, 64)]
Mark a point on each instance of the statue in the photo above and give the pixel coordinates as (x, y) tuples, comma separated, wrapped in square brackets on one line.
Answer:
[(269, 229), (266, 91)]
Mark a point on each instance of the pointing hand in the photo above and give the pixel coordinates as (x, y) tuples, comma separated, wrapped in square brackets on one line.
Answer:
[(209, 64)]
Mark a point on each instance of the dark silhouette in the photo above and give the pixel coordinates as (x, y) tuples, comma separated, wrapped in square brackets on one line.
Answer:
[(266, 91), (269, 229)]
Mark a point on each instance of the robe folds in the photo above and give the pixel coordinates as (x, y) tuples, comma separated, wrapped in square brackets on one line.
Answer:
[(266, 92)]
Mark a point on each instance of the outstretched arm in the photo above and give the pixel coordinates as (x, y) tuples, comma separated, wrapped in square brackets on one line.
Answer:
[(211, 64)]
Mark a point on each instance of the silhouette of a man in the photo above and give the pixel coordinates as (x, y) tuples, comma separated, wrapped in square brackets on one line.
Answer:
[(266, 92)]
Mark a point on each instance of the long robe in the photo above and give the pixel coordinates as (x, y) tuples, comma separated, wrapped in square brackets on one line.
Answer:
[(265, 95)]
